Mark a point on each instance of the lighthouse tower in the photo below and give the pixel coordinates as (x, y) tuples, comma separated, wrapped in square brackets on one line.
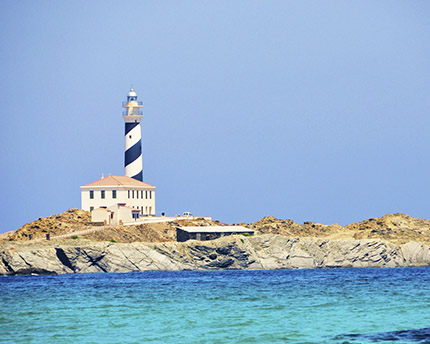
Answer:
[(133, 162)]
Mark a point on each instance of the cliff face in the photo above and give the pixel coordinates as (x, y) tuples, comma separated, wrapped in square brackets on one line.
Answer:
[(236, 252), (391, 240)]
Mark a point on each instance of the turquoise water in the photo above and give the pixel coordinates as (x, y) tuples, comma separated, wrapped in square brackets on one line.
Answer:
[(278, 306)]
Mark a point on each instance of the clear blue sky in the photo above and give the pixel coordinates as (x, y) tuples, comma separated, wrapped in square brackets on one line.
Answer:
[(310, 110)]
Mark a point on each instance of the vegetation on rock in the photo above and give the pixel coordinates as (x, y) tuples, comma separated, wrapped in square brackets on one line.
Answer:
[(66, 222), (396, 228)]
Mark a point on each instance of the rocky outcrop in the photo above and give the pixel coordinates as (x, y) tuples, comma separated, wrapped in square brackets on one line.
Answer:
[(54, 225), (397, 228), (236, 252), (77, 222)]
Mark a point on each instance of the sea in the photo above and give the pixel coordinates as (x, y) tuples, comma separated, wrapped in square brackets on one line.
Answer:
[(360, 305)]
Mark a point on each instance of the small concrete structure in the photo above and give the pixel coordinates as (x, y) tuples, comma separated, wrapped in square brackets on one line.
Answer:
[(102, 215), (209, 232), (115, 215)]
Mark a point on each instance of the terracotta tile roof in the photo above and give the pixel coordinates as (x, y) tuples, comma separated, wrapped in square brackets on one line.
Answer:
[(119, 181)]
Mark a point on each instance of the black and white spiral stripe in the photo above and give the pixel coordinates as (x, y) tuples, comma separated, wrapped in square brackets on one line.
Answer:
[(133, 151)]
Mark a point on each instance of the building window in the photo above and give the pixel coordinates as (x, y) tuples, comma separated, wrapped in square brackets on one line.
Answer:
[(91, 194), (135, 215), (137, 193), (128, 193), (103, 193), (91, 208), (132, 194), (141, 209), (113, 193), (141, 194), (146, 194), (150, 194)]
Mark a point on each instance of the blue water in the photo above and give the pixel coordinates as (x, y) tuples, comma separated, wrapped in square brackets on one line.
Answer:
[(279, 306)]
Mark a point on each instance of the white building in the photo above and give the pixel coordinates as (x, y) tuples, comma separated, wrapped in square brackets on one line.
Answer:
[(110, 191), (115, 200), (115, 215)]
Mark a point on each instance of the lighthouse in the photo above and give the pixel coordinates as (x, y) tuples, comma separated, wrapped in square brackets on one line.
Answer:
[(132, 115), (114, 200)]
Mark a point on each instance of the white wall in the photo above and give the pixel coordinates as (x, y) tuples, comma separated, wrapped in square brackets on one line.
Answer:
[(121, 197), (101, 215), (123, 214)]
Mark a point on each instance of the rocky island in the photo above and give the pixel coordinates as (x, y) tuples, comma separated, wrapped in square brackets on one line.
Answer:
[(389, 241)]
